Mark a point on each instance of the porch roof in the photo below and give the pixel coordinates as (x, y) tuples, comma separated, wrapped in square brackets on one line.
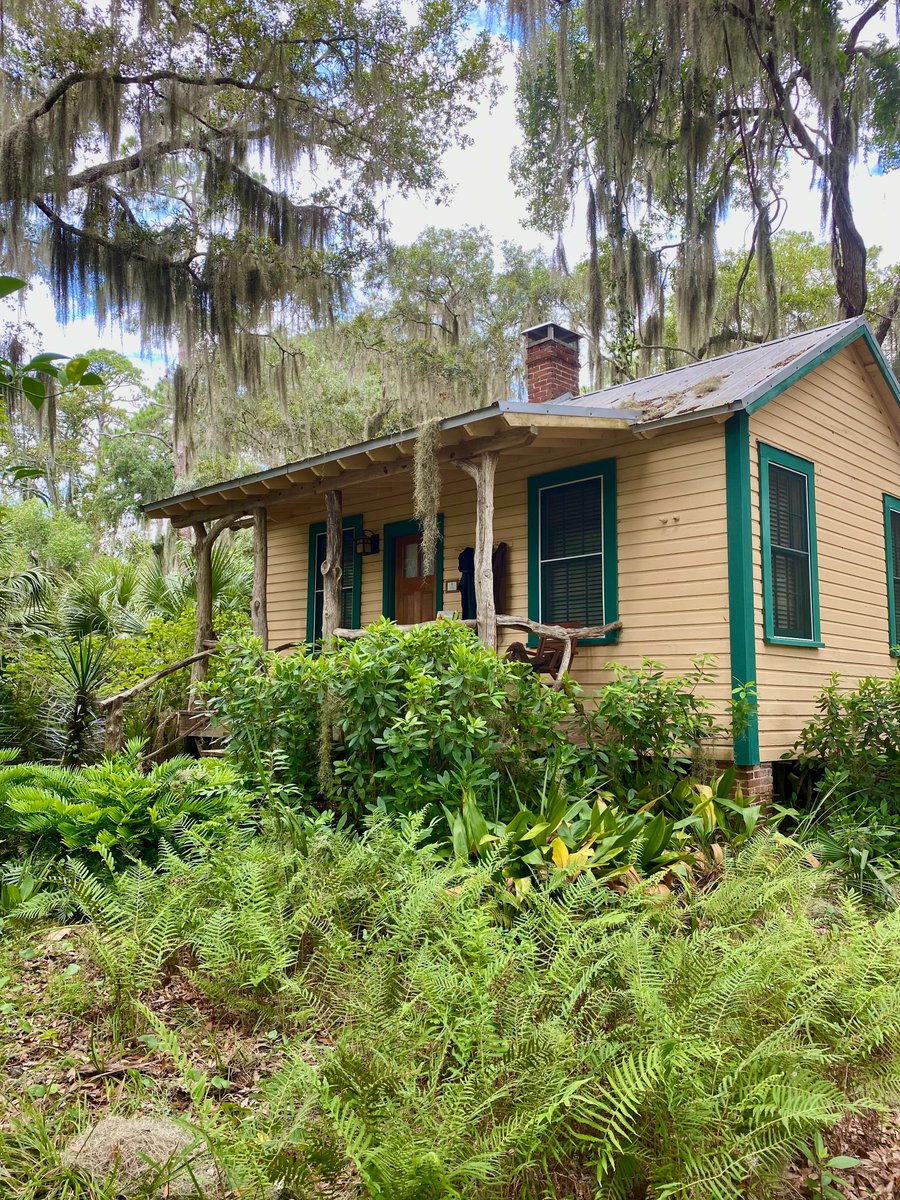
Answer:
[(507, 424), (712, 388)]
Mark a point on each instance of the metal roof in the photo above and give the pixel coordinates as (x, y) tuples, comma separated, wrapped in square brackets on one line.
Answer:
[(741, 379), (729, 381)]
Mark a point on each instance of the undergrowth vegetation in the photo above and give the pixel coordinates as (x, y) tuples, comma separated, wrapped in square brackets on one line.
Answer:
[(434, 930), (604, 1045)]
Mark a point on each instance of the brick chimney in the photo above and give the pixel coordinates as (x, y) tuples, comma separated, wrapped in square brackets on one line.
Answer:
[(551, 362)]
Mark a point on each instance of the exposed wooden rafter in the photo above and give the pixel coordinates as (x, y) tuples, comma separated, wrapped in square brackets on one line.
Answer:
[(241, 505)]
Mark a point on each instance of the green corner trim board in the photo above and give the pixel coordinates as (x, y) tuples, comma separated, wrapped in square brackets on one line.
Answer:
[(741, 620)]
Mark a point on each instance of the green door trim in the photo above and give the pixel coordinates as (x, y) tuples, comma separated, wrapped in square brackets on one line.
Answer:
[(397, 529), (315, 531), (741, 616)]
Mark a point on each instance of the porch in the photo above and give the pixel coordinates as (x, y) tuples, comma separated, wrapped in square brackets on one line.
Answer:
[(336, 545), (654, 583)]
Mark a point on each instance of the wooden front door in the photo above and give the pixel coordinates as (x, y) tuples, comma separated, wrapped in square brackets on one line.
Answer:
[(414, 595)]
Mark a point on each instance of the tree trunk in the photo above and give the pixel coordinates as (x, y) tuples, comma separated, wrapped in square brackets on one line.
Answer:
[(887, 318), (260, 570), (332, 570), (483, 471), (203, 544), (114, 728), (848, 248)]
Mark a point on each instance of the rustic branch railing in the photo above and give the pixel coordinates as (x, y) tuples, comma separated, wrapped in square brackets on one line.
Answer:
[(114, 706), (570, 636)]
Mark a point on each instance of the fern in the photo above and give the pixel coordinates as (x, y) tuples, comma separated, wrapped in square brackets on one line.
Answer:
[(678, 1049)]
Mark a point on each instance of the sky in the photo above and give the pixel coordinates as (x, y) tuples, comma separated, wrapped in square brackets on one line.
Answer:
[(484, 195)]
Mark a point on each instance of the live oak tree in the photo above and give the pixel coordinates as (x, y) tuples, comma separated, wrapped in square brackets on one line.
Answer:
[(207, 170), (442, 323), (435, 329), (663, 113)]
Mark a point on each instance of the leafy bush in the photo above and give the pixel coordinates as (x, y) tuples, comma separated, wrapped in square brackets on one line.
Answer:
[(617, 1046), (651, 729), (854, 743), (423, 717), (565, 836), (112, 812), (849, 758), (164, 640)]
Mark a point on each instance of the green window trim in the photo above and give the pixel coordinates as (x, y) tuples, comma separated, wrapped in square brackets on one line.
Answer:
[(891, 509), (605, 470), (398, 529), (316, 530), (772, 456)]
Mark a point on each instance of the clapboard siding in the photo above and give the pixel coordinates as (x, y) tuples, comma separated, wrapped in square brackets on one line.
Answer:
[(673, 594), (833, 418)]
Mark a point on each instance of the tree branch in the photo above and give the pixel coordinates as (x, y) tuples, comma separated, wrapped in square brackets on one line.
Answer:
[(140, 433), (859, 25), (888, 316)]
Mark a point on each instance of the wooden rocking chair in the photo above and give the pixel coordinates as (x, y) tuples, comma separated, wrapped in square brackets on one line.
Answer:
[(545, 658)]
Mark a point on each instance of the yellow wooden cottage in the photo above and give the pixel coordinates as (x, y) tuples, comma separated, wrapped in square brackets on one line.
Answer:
[(746, 507)]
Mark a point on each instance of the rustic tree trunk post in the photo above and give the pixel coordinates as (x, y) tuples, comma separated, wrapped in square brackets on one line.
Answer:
[(204, 628), (332, 568), (260, 570), (204, 540), (483, 471), (114, 722)]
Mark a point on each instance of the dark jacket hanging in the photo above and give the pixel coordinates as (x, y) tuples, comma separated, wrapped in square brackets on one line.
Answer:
[(498, 565), (467, 584)]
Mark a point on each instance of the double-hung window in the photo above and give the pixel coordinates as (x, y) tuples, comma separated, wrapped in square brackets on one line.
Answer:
[(790, 570), (351, 579), (892, 548), (572, 546)]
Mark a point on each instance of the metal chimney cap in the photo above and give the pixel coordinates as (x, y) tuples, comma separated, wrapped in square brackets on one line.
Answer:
[(550, 331)]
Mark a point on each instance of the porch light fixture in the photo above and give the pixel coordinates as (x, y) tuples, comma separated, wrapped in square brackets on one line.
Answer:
[(368, 543)]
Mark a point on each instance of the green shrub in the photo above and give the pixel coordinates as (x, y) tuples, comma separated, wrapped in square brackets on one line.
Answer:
[(652, 729), (423, 717), (112, 812), (854, 743), (680, 1046), (849, 759), (22, 701), (594, 832), (164, 640)]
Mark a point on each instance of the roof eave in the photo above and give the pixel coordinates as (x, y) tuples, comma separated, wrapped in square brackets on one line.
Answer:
[(318, 460), (772, 387)]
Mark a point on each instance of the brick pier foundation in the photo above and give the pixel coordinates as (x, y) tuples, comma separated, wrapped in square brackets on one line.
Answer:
[(755, 782)]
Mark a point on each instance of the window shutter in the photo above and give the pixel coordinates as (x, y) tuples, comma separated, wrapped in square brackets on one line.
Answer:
[(348, 564), (572, 520), (789, 550), (572, 553), (895, 567)]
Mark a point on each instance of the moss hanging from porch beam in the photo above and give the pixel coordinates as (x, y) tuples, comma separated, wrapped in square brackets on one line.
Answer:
[(427, 495)]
